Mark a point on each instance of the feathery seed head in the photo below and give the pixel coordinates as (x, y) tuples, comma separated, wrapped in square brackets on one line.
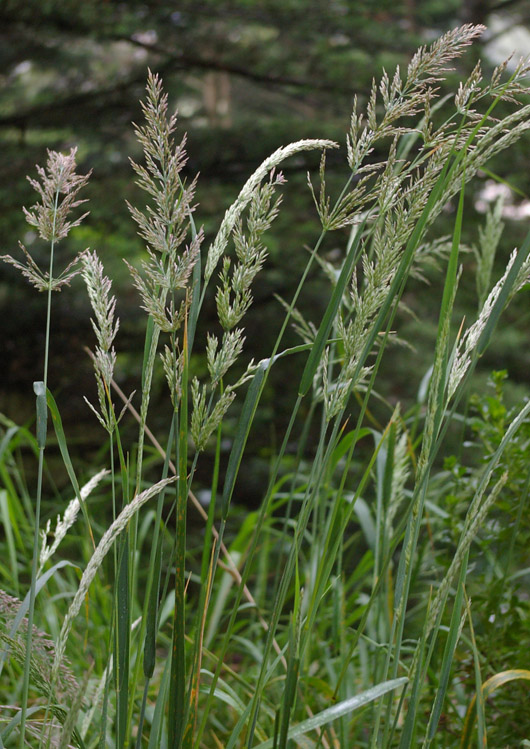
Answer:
[(165, 224), (233, 213), (49, 216), (105, 327), (58, 188)]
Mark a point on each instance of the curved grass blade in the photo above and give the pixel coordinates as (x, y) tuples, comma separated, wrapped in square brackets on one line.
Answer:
[(6, 439), (501, 300), (158, 715), (490, 686), (448, 655), (337, 711), (63, 447)]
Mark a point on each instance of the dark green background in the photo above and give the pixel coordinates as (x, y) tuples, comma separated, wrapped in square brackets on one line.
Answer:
[(246, 77)]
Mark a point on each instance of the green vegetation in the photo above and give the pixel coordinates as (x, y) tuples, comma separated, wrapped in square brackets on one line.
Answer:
[(375, 596)]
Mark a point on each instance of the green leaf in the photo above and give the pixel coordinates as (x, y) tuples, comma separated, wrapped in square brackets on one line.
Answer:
[(503, 296), (448, 655), (42, 413), (490, 686), (315, 356), (243, 429), (340, 709), (63, 447), (158, 715)]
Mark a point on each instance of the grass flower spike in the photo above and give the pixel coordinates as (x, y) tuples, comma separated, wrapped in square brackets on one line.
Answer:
[(164, 226), (58, 188), (105, 327)]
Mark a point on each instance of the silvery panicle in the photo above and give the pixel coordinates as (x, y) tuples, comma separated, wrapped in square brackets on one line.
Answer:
[(105, 327), (397, 196), (389, 102), (233, 296), (205, 420), (400, 474), (366, 299), (173, 363), (164, 276), (219, 362), (58, 188), (233, 300), (64, 523), (165, 225), (489, 237), (516, 84), (403, 98), (102, 549), (468, 342)]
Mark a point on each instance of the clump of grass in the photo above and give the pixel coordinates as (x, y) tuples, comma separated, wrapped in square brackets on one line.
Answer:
[(317, 604)]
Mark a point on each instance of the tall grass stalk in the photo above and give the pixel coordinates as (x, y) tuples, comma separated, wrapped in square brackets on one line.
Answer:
[(240, 636), (49, 217)]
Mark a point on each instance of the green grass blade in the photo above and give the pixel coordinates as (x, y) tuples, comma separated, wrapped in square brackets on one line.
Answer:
[(63, 447), (449, 650), (452, 266), (319, 344), (141, 717), (501, 300), (337, 711), (481, 711), (179, 703), (243, 428), (293, 666), (158, 715), (122, 640), (9, 525), (408, 737), (151, 614)]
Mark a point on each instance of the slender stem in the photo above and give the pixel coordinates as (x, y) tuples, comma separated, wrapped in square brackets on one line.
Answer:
[(35, 559), (32, 594)]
